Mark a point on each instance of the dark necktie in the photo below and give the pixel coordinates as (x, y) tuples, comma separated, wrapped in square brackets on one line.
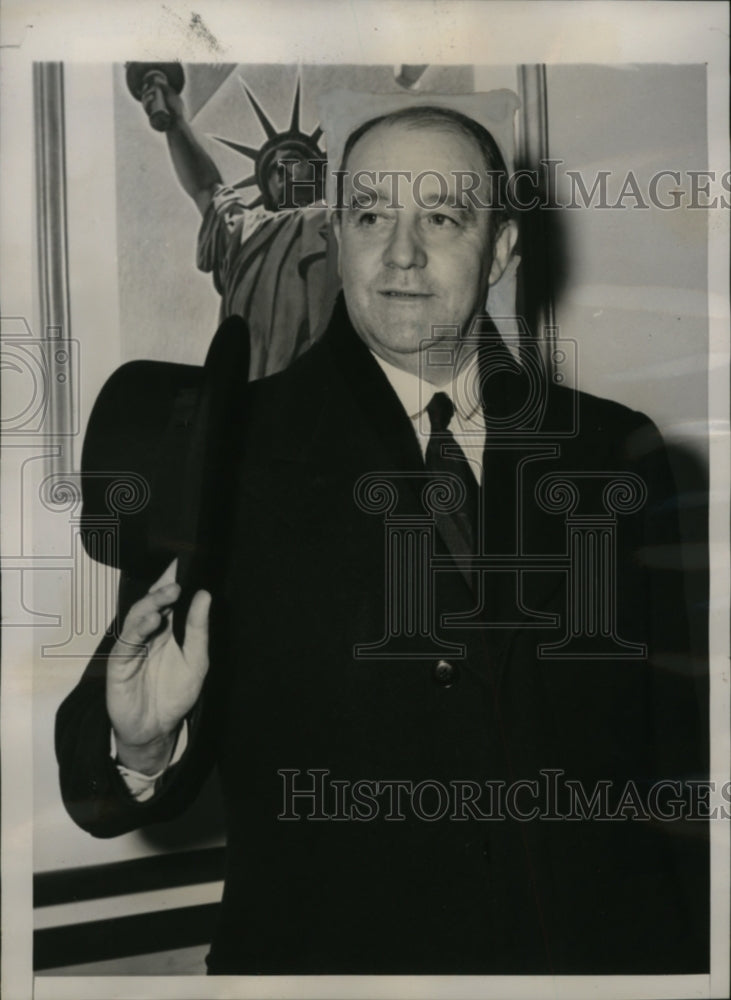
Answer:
[(443, 455)]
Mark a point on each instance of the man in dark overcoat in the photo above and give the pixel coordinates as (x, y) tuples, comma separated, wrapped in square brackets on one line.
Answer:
[(440, 664)]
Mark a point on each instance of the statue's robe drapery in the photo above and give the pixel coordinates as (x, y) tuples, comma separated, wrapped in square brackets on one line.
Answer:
[(276, 269)]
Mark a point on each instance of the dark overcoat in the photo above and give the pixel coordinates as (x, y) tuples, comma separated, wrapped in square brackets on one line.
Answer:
[(441, 835)]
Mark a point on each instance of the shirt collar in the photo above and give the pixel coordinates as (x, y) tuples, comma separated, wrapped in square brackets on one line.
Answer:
[(415, 393)]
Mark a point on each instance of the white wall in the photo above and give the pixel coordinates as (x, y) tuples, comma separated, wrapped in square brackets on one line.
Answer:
[(635, 295)]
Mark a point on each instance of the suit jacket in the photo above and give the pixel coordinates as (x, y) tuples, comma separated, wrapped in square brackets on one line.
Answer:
[(365, 882)]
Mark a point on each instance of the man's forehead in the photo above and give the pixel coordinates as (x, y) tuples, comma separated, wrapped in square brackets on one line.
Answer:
[(401, 141)]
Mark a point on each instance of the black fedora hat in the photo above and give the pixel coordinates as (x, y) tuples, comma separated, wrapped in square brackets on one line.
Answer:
[(156, 455)]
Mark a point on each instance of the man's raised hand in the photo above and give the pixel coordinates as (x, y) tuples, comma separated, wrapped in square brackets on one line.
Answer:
[(152, 683)]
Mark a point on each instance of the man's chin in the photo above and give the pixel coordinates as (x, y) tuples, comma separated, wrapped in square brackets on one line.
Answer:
[(404, 341), (406, 326)]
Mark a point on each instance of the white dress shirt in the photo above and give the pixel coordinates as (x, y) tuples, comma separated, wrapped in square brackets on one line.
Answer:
[(468, 423)]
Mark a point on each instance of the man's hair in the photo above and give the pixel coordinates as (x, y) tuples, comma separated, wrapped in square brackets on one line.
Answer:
[(447, 119)]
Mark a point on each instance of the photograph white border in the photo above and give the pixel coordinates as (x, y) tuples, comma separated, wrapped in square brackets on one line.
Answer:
[(369, 31)]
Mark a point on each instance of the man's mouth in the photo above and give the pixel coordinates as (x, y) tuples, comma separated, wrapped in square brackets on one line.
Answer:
[(396, 294)]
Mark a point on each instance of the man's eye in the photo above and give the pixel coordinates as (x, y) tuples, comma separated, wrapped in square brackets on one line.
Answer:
[(442, 221), (367, 218)]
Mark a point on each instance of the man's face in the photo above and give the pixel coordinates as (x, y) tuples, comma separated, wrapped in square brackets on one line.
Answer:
[(428, 264)]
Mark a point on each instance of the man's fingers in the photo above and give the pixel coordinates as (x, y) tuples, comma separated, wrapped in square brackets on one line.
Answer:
[(167, 577), (145, 616), (137, 630), (198, 611), (195, 644)]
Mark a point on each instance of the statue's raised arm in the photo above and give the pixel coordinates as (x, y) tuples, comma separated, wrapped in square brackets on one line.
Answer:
[(272, 256)]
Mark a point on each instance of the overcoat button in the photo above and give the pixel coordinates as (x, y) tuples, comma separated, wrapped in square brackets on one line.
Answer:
[(445, 673)]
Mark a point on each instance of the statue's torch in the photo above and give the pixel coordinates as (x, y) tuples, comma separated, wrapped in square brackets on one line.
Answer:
[(146, 82)]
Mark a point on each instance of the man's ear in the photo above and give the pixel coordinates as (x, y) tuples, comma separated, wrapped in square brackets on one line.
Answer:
[(336, 222), (503, 249)]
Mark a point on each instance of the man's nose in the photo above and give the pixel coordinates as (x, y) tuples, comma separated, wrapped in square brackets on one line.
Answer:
[(405, 249)]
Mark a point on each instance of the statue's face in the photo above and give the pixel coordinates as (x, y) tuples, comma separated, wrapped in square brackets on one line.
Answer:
[(293, 180)]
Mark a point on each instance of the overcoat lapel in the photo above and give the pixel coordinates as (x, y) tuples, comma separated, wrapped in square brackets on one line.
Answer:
[(512, 518), (393, 436), (371, 394)]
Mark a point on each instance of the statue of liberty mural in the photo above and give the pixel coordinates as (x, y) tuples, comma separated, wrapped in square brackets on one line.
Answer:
[(270, 250)]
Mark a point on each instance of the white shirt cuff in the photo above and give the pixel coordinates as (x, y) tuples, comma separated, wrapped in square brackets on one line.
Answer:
[(142, 786)]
